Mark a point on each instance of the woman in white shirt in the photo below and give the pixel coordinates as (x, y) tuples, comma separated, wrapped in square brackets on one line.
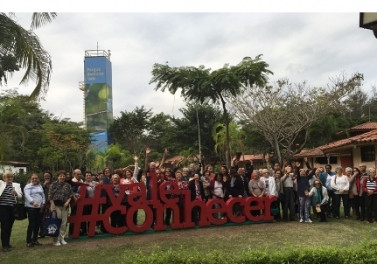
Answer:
[(34, 201), (217, 191), (340, 185)]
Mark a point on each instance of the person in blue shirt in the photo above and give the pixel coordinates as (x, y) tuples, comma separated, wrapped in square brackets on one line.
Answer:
[(325, 178), (35, 200)]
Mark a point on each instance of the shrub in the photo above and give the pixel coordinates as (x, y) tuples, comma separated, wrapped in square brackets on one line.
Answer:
[(361, 254)]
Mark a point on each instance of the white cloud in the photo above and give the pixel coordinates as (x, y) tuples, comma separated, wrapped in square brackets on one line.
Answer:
[(299, 46)]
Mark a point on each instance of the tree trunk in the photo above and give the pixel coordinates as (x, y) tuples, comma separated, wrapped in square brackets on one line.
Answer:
[(277, 150), (227, 137)]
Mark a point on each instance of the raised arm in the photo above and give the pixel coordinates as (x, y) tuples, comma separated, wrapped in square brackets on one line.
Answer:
[(147, 151), (268, 163), (163, 158), (136, 169)]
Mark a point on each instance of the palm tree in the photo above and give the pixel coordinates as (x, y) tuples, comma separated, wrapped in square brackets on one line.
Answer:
[(21, 48), (236, 140), (200, 84)]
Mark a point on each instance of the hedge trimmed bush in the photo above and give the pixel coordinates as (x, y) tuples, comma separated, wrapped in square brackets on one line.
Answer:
[(362, 254)]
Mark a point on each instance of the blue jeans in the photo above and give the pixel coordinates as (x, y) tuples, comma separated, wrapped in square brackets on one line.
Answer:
[(304, 207)]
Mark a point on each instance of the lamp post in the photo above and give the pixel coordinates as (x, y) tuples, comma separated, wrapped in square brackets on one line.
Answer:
[(369, 21)]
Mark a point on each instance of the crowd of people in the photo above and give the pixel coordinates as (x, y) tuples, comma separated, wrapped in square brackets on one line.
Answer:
[(302, 193)]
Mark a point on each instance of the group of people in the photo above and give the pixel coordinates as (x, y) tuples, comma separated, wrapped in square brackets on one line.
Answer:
[(300, 192), (39, 199)]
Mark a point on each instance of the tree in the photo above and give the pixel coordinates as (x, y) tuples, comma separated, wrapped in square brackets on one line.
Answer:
[(254, 142), (158, 135), (30, 134), (21, 48), (67, 141), (200, 84), (283, 113), (355, 105), (185, 136), (237, 138), (113, 157), (129, 128), (20, 125)]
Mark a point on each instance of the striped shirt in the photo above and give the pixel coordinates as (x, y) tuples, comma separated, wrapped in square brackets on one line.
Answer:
[(371, 185), (7, 198)]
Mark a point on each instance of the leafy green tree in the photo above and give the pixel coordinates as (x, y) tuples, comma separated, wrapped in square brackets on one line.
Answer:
[(21, 48), (20, 125), (113, 157), (32, 135), (66, 140), (129, 128), (370, 107), (200, 84), (327, 128), (237, 138), (355, 106), (255, 142), (49, 159), (159, 126), (185, 136)]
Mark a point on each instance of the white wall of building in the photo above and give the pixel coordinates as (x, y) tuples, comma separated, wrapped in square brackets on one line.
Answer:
[(16, 170)]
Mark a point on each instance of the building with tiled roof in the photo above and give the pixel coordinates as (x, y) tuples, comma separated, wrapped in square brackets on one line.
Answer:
[(348, 152), (364, 127), (359, 129), (258, 160), (18, 167)]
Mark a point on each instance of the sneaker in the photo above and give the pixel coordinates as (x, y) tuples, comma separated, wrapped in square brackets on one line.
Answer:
[(308, 221), (301, 220), (63, 242), (57, 243)]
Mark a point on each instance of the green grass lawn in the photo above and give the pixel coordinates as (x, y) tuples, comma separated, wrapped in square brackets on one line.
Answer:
[(230, 238)]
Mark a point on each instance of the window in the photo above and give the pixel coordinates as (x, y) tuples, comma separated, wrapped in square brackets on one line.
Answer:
[(367, 153), (323, 160)]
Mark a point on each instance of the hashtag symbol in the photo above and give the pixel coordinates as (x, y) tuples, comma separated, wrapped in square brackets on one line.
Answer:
[(79, 217)]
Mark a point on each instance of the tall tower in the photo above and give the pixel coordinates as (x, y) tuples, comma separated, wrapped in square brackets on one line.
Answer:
[(98, 96)]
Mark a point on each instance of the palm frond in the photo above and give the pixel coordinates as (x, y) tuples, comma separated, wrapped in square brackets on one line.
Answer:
[(26, 48)]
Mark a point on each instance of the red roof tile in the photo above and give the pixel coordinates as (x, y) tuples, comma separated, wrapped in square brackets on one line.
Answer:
[(365, 126), (252, 157), (368, 137), (179, 158), (315, 152)]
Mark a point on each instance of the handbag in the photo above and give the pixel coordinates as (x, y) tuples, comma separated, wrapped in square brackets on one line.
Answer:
[(19, 211), (51, 225)]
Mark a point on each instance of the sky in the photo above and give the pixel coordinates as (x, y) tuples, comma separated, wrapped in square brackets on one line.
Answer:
[(301, 45)]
